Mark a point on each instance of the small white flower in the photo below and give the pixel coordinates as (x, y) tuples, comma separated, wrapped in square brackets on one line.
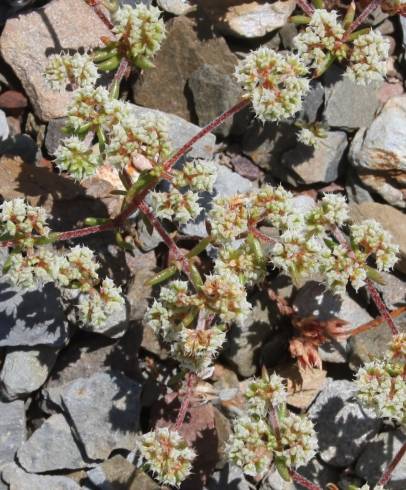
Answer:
[(298, 440), (228, 218), (332, 210), (264, 393), (19, 219), (198, 175), (167, 455), (76, 158), (308, 137), (77, 70)]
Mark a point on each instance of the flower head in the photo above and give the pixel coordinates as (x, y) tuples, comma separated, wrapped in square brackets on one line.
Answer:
[(182, 207), (75, 157), (197, 175), (167, 455), (228, 218), (78, 70), (140, 30), (264, 393), (21, 220), (298, 440), (37, 267), (274, 83), (331, 211)]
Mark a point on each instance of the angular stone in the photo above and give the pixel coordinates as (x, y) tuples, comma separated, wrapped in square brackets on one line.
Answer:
[(12, 429), (248, 19), (32, 317), (18, 479), (354, 188), (138, 294), (348, 105), (28, 40), (377, 456), (391, 219), (51, 447), (228, 183), (54, 134), (307, 165), (343, 426), (117, 473), (182, 52), (25, 371), (104, 410), (176, 7), (180, 132), (230, 477), (213, 93), (378, 153)]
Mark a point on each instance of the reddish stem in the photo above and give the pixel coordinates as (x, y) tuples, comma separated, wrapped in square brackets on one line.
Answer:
[(387, 475), (121, 70), (185, 402), (360, 19), (306, 7), (383, 310), (376, 322), (96, 7), (298, 478)]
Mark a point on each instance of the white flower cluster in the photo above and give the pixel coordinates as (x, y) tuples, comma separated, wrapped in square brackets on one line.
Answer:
[(75, 270), (323, 40), (20, 221), (264, 393), (177, 312), (332, 210), (180, 205), (77, 71), (140, 32), (312, 135), (372, 239), (75, 157), (367, 487), (381, 383), (368, 59), (274, 82), (167, 455), (228, 218)]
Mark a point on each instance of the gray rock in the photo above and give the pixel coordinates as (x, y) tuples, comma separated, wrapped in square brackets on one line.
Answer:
[(393, 291), (343, 427), (307, 165), (4, 129), (147, 241), (185, 49), (312, 102), (245, 341), (378, 153), (372, 343), (54, 134), (29, 39), (348, 105), (228, 183), (181, 131), (104, 410), (230, 477), (315, 300), (12, 429), (376, 457), (356, 192), (25, 371), (213, 93), (51, 447), (18, 479), (32, 318), (115, 325), (248, 19), (176, 7), (20, 145), (118, 472)]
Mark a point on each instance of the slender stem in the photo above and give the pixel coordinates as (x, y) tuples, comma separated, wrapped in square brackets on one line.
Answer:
[(96, 7), (121, 70), (306, 7), (383, 310), (387, 475), (89, 230), (375, 322), (360, 19), (185, 402), (298, 478), (207, 129)]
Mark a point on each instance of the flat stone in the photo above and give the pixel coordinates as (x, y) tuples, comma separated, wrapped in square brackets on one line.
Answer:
[(176, 7), (213, 93), (228, 183), (32, 317), (378, 153), (372, 343), (391, 219), (104, 410), (344, 428), (182, 52), (307, 165), (117, 473), (18, 479), (248, 19), (12, 429), (348, 105), (376, 457), (181, 131), (29, 39), (313, 299), (51, 447), (230, 476), (25, 371)]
